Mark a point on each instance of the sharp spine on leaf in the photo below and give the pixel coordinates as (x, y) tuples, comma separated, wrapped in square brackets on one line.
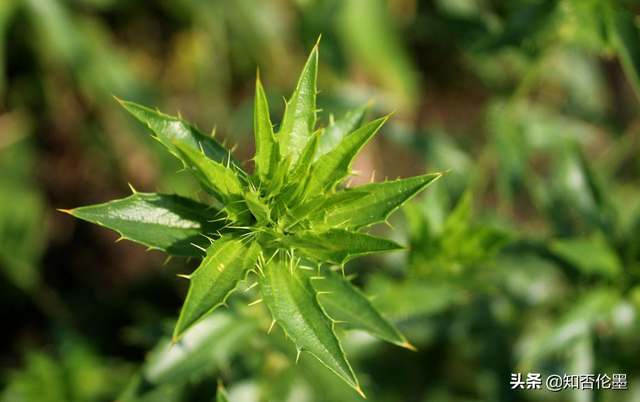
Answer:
[(199, 247), (207, 237), (349, 183), (255, 302)]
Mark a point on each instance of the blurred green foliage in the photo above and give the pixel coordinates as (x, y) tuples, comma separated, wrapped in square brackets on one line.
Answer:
[(525, 258)]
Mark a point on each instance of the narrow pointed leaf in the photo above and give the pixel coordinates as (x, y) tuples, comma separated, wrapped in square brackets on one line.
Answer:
[(624, 34), (221, 394), (267, 154), (297, 179), (300, 115), (592, 256), (337, 130), (301, 211), (206, 348), (337, 246), (165, 222), (171, 130), (346, 303), (279, 178), (379, 200), (257, 206), (306, 158), (330, 169), (306, 210), (228, 262), (223, 181), (294, 305)]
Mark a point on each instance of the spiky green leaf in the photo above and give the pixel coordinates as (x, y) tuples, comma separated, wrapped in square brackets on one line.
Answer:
[(222, 180), (301, 169), (331, 168), (228, 262), (299, 175), (378, 201), (279, 178), (337, 246), (345, 303), (170, 130), (300, 212), (300, 115), (305, 211), (294, 305), (338, 129), (258, 207), (267, 152), (165, 222)]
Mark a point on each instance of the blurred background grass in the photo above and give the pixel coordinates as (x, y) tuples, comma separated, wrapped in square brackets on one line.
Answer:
[(525, 258)]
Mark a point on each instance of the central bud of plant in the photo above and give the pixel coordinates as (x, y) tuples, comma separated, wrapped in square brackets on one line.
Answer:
[(290, 209)]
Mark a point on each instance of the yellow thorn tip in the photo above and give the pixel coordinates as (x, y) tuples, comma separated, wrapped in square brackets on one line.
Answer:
[(409, 346), (359, 390), (120, 101)]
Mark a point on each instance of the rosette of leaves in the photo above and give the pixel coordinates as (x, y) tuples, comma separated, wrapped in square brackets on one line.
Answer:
[(291, 209)]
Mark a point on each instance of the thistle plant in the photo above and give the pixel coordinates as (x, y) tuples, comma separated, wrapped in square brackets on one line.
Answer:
[(282, 222)]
